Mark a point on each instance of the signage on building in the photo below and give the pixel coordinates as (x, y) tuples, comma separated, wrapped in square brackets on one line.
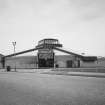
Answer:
[(46, 55), (45, 51)]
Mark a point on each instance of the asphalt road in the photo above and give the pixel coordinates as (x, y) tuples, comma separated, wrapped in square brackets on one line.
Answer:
[(44, 89)]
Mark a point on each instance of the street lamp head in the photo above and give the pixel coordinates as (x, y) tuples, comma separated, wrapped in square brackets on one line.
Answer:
[(14, 43)]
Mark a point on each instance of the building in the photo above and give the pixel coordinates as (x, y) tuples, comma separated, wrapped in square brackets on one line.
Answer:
[(1, 65), (60, 61), (46, 58)]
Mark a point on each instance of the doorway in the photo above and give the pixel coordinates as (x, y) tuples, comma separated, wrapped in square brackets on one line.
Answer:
[(46, 60), (69, 63)]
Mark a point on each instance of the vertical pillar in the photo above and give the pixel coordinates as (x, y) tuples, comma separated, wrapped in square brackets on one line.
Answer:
[(3, 62)]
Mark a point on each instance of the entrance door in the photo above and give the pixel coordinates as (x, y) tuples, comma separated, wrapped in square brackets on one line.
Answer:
[(42, 63), (50, 62), (45, 60), (70, 64)]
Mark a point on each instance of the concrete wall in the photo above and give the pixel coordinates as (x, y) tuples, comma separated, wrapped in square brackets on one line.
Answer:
[(101, 63), (98, 63), (1, 60), (61, 64), (61, 60), (88, 64), (31, 61), (21, 62)]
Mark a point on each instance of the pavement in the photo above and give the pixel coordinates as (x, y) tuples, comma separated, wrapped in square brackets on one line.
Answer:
[(59, 72), (34, 88), (85, 74)]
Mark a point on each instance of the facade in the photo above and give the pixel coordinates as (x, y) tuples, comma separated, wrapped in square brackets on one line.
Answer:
[(1, 66), (60, 61), (46, 58)]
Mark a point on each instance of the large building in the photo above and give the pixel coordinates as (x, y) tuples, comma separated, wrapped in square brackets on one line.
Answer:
[(60, 61), (46, 58)]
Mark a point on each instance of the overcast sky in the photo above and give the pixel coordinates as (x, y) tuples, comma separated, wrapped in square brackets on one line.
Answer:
[(78, 24)]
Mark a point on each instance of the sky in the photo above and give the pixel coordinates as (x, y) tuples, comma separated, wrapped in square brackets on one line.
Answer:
[(78, 24)]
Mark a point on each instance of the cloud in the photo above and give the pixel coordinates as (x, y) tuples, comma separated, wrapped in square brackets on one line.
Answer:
[(74, 21), (88, 10)]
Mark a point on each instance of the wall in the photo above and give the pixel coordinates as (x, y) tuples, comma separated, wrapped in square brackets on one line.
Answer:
[(1, 60), (98, 63), (22, 62), (88, 64), (61, 60)]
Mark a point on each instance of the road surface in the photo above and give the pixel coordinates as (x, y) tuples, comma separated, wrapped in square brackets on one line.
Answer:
[(17, 88)]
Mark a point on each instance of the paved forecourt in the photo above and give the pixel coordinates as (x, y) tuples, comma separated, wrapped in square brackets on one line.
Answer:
[(33, 88)]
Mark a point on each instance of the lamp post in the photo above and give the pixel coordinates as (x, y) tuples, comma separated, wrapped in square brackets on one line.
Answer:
[(14, 46)]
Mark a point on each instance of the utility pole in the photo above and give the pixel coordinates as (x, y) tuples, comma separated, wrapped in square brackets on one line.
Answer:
[(14, 46)]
